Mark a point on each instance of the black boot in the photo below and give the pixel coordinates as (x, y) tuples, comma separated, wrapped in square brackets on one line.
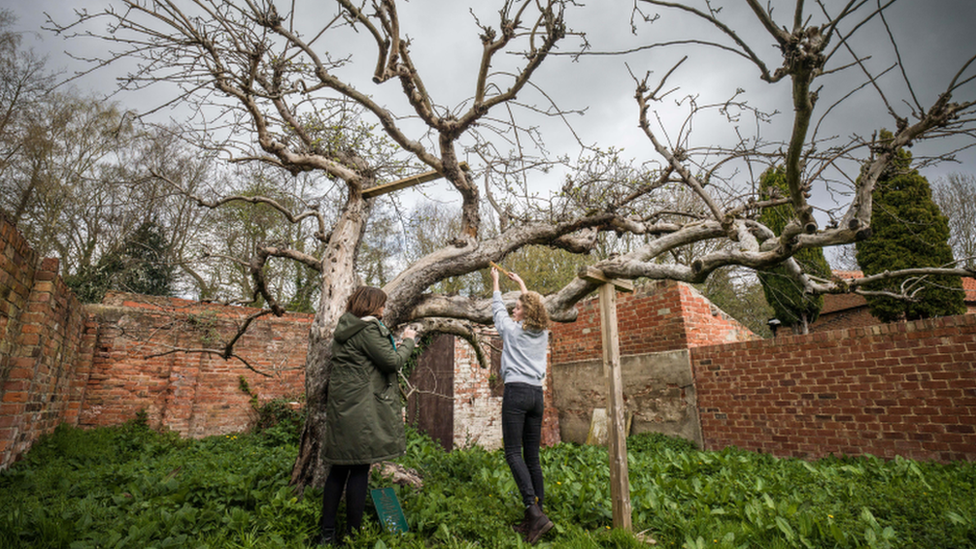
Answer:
[(537, 523), (520, 527), (328, 538), (524, 525)]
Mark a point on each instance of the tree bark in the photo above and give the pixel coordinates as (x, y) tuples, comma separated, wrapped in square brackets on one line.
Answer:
[(337, 283)]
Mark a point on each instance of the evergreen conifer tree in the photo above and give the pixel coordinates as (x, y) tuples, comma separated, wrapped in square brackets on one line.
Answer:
[(908, 231), (791, 305), (140, 265)]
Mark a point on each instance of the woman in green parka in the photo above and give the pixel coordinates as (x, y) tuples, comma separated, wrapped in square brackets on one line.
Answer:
[(364, 417)]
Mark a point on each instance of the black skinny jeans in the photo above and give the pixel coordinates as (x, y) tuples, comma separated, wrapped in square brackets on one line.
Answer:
[(355, 479), (522, 434)]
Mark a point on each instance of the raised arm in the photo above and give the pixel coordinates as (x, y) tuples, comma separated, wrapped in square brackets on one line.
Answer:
[(519, 281), (494, 280)]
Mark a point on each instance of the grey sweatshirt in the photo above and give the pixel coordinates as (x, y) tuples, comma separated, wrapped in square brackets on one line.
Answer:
[(523, 351)]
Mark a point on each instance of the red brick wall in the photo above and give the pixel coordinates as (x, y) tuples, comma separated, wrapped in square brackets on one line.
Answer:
[(62, 362), (658, 316), (853, 318), (45, 351), (904, 389), (195, 394), (706, 324), (840, 320)]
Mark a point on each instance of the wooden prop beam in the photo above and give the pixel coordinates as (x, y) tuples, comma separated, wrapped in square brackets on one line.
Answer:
[(499, 267), (406, 182), (597, 276), (617, 439)]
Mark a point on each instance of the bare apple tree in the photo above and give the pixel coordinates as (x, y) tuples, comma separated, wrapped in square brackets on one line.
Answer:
[(276, 82), (810, 50)]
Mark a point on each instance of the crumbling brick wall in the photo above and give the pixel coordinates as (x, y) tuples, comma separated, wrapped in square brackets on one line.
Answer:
[(141, 364), (658, 316), (656, 321), (45, 350), (478, 398)]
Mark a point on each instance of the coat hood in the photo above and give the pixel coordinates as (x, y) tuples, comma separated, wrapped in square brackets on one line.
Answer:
[(350, 325)]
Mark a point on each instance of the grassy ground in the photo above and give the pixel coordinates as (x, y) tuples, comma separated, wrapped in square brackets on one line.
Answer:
[(131, 487)]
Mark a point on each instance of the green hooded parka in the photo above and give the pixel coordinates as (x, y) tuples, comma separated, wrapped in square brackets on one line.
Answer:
[(364, 412)]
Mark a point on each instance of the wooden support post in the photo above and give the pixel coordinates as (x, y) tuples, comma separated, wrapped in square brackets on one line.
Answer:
[(617, 440), (405, 182)]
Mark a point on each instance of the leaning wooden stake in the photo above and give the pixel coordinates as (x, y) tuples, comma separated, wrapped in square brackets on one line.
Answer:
[(499, 267), (617, 440), (406, 182)]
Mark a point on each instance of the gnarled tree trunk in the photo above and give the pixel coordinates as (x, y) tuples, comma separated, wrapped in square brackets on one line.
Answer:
[(338, 281)]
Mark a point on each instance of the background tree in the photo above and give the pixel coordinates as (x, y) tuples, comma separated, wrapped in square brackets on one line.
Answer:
[(262, 73), (140, 265), (793, 307), (738, 293), (73, 167), (956, 198), (240, 229), (427, 227), (379, 254), (60, 196), (76, 185), (909, 232), (544, 269), (24, 83)]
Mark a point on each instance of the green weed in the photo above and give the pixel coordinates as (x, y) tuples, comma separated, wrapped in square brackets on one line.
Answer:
[(129, 486)]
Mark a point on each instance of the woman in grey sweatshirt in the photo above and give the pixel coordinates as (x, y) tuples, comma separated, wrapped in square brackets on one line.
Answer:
[(525, 340)]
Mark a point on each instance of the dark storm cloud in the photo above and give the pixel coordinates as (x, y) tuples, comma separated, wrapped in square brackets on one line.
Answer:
[(933, 37)]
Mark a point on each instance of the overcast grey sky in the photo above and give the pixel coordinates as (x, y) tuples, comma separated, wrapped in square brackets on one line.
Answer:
[(934, 36)]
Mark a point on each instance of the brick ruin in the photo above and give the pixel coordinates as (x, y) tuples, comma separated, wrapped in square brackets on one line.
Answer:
[(906, 389)]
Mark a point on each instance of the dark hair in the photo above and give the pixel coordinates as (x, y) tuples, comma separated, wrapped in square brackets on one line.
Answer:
[(366, 301)]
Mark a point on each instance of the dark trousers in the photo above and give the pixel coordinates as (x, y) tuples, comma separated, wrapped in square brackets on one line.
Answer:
[(355, 479), (522, 434)]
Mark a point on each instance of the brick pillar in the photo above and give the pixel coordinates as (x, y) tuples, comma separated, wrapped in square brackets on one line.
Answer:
[(180, 398), (13, 407), (28, 386), (84, 362)]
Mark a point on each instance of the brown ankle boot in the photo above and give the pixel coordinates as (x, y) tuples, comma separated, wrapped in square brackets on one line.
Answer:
[(520, 527), (537, 523), (524, 525)]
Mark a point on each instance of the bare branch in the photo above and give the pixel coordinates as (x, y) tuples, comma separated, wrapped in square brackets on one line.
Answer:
[(747, 51), (219, 353)]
